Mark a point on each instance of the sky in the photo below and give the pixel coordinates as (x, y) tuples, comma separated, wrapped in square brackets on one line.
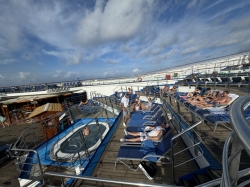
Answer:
[(61, 40)]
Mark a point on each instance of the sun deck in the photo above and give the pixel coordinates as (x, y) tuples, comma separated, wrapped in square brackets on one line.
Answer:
[(213, 141)]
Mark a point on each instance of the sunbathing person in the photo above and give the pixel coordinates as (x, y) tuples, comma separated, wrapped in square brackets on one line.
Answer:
[(222, 100), (205, 100), (137, 106), (155, 134), (165, 89), (192, 95), (138, 100), (173, 89), (148, 105), (207, 94), (86, 131)]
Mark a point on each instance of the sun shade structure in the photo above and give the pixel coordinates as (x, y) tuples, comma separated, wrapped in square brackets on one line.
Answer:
[(49, 108), (24, 99)]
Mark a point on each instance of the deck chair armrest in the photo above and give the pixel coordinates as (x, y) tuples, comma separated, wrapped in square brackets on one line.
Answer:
[(145, 111), (157, 156), (148, 123), (148, 117)]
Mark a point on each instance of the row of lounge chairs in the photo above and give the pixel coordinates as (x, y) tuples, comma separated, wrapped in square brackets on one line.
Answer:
[(117, 97), (212, 115), (233, 81), (150, 151), (43, 87), (90, 108)]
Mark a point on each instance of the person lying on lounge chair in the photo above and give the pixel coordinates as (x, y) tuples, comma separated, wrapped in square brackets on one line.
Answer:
[(192, 95), (173, 89), (155, 134), (148, 105), (165, 89), (205, 100), (222, 100)]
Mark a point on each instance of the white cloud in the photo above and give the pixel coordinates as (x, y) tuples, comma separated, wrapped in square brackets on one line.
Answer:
[(113, 21), (136, 70), (136, 32), (1, 76), (7, 61), (24, 75)]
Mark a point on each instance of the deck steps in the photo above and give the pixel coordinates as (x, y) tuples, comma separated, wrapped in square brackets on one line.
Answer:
[(198, 177)]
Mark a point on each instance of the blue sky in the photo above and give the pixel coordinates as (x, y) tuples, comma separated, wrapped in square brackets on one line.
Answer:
[(49, 40)]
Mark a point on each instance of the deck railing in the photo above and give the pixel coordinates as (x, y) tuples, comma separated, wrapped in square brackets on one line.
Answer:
[(180, 132)]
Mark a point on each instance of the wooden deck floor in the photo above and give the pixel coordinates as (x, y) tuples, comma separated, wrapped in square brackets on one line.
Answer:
[(9, 174)]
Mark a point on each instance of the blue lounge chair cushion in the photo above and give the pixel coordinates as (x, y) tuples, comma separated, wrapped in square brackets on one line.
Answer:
[(140, 122), (202, 112), (141, 115), (135, 153), (148, 147)]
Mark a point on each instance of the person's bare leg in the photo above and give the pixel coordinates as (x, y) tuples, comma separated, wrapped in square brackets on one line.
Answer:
[(134, 133), (128, 117), (133, 139), (123, 119)]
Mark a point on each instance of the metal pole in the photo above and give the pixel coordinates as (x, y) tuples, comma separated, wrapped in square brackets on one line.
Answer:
[(235, 164), (228, 83), (196, 79), (99, 130), (214, 82), (248, 90), (85, 145)]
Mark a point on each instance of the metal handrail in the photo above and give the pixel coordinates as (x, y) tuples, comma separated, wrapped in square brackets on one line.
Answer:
[(36, 153), (225, 175), (239, 122), (96, 179), (214, 182), (172, 146)]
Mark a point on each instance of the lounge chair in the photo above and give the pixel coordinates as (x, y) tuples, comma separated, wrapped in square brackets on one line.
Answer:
[(157, 119), (145, 115), (153, 154)]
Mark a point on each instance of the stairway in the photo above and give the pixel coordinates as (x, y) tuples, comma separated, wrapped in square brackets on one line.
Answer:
[(198, 177)]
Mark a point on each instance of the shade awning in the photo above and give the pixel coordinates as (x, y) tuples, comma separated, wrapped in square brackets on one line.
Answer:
[(48, 108)]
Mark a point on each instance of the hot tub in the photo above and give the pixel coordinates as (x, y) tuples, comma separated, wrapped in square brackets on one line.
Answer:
[(68, 147)]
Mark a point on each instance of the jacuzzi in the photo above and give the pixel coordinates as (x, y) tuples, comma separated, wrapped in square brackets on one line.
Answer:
[(69, 145)]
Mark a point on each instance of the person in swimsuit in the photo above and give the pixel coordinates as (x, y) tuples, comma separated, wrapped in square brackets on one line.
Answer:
[(222, 100)]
